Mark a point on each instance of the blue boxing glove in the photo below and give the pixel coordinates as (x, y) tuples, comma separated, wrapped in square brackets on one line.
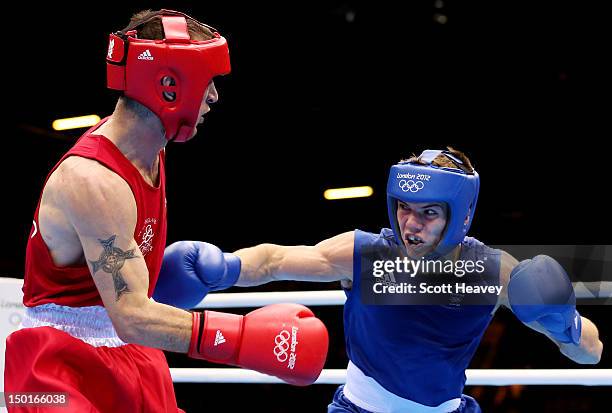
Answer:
[(540, 290), (190, 270)]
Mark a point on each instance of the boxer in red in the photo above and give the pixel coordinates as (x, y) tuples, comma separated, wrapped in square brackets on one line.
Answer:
[(96, 246)]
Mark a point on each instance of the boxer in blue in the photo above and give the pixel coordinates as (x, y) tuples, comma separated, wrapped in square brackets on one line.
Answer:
[(412, 358)]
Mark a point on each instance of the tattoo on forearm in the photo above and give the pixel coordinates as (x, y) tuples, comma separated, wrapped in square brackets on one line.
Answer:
[(111, 260)]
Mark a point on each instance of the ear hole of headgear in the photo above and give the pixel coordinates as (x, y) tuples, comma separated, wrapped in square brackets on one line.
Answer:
[(466, 221), (168, 81)]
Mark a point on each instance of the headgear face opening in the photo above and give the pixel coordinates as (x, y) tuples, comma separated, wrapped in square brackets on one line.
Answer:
[(168, 76), (458, 188)]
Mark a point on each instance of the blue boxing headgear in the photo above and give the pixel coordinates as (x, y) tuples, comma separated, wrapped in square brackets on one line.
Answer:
[(457, 187)]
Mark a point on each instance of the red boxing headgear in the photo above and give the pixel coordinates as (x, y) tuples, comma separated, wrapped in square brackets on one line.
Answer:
[(167, 76)]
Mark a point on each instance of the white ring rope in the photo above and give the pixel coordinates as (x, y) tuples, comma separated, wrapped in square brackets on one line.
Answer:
[(223, 300), (475, 377), (337, 297)]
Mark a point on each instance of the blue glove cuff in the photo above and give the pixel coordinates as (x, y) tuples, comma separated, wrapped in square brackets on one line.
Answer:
[(232, 273), (573, 332)]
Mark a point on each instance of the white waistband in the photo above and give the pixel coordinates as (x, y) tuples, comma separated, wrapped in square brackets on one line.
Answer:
[(366, 393), (89, 324)]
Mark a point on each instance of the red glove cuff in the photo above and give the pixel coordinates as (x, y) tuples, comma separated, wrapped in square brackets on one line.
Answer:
[(215, 336)]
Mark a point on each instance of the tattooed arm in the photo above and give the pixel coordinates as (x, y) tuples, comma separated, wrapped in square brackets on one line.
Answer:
[(102, 210)]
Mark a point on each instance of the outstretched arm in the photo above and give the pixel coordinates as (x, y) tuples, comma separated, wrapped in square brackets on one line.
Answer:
[(329, 260)]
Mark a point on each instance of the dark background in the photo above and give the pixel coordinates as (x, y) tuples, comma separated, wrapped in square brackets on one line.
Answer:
[(328, 94)]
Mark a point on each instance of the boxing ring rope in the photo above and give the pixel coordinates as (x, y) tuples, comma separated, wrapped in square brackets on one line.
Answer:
[(475, 377), (588, 290), (307, 298)]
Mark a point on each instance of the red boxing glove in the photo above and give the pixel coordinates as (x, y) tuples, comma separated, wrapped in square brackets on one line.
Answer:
[(283, 340)]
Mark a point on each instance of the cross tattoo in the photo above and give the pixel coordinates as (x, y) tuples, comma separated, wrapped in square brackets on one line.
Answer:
[(111, 260)]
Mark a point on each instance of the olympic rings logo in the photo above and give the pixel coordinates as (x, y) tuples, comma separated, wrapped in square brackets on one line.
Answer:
[(282, 346), (411, 186)]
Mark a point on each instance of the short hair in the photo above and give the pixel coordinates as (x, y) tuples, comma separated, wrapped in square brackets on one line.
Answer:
[(445, 162)]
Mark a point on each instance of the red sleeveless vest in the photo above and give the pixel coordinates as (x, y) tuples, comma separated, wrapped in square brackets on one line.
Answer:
[(74, 286)]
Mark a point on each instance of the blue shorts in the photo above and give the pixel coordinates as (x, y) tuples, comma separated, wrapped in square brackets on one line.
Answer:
[(341, 404)]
